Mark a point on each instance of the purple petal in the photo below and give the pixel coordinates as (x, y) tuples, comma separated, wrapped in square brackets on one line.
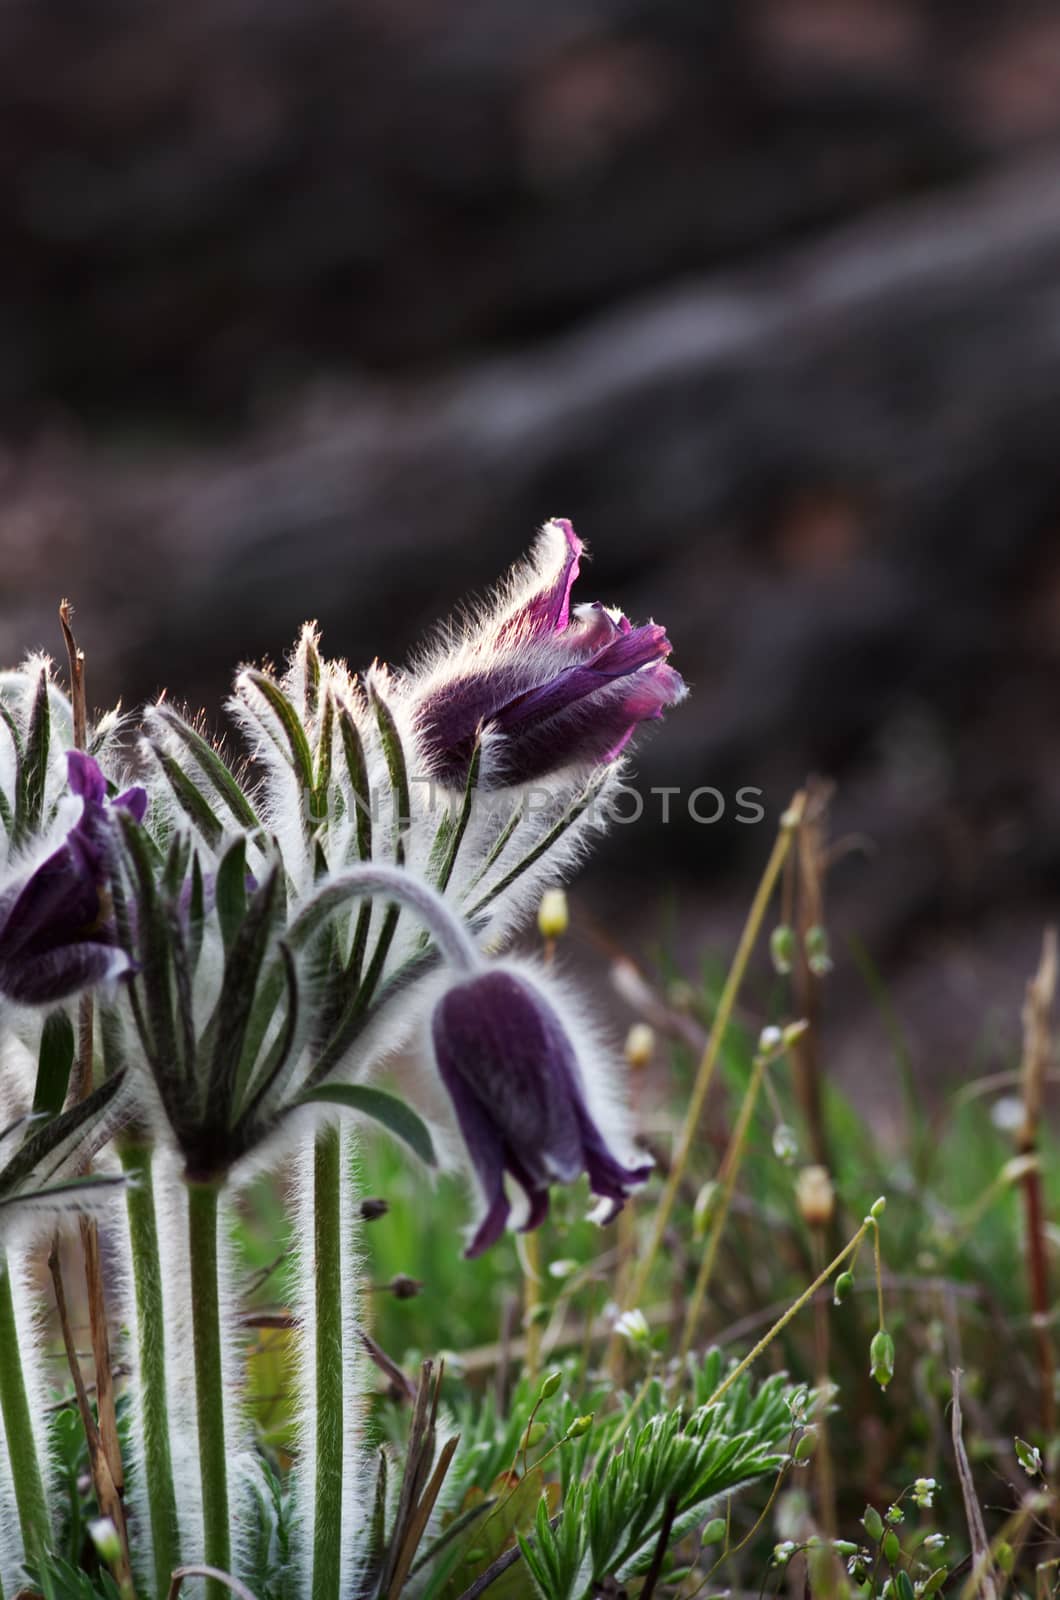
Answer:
[(58, 903), (506, 1046), (625, 654), (510, 1070), (548, 611), (134, 801), (85, 778), (52, 975)]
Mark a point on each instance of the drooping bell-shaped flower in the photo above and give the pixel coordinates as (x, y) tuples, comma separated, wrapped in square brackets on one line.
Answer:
[(558, 687), (55, 936), (518, 1091)]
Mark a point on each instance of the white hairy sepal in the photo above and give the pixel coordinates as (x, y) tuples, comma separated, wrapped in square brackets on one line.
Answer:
[(18, 691), (481, 633), (356, 1466)]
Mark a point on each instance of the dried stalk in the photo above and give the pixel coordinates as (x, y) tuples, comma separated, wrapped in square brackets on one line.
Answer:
[(106, 1407), (1037, 1053)]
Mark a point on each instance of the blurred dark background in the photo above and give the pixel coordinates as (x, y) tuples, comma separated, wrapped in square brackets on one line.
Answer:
[(313, 308)]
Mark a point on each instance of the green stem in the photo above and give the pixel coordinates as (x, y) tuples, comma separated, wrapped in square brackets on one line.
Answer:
[(792, 1311), (328, 1365), (18, 1429), (688, 1135), (730, 1171), (136, 1160), (209, 1378)]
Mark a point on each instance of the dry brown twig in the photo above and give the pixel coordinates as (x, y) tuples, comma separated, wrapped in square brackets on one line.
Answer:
[(1037, 1057), (109, 1485)]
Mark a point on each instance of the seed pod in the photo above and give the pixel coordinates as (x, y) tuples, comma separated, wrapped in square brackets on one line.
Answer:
[(881, 1358), (872, 1522), (843, 1285), (782, 948)]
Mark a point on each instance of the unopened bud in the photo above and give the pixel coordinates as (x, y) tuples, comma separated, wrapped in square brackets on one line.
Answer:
[(550, 1385), (1005, 1556), (815, 1196), (703, 1210), (1029, 1457), (1020, 1167), (817, 957), (633, 1327), (782, 948), (373, 1208), (553, 917), (805, 1448), (769, 1041), (785, 1143), (580, 1426), (881, 1358), (872, 1522), (878, 1207), (564, 1268), (104, 1536), (843, 1285), (681, 995), (794, 1032), (640, 1044)]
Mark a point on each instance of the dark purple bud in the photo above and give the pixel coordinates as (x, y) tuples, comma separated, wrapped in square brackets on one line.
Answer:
[(560, 688), (54, 936), (511, 1072)]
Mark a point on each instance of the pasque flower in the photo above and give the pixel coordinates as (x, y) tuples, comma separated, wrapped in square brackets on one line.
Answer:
[(558, 687), (518, 1091), (55, 937)]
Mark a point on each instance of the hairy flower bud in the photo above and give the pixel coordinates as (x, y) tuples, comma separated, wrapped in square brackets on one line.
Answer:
[(553, 917), (815, 1196), (640, 1044)]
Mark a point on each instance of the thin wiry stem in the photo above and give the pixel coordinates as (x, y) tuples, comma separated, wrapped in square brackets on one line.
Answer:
[(704, 1076), (792, 1311)]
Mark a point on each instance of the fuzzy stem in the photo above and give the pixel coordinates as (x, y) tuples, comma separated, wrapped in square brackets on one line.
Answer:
[(209, 1376), (328, 1365), (136, 1160), (446, 928), (790, 821), (18, 1428)]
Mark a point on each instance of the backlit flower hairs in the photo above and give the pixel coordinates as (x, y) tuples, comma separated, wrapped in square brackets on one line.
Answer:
[(259, 940)]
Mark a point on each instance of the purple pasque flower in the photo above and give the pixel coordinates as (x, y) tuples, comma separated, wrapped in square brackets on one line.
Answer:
[(54, 934), (559, 687), (512, 1074)]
